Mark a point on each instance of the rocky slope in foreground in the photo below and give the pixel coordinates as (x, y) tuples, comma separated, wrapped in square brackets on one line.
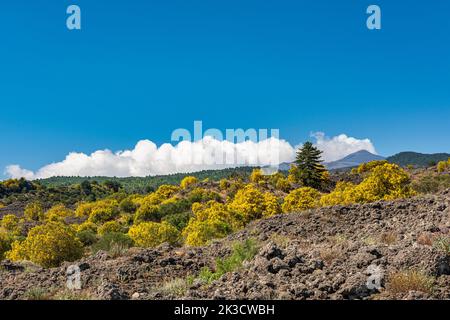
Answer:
[(326, 253)]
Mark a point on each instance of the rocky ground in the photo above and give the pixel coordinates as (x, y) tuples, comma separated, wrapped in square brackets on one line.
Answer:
[(397, 247)]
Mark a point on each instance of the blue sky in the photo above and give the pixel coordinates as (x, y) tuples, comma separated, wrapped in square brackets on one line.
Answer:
[(140, 69)]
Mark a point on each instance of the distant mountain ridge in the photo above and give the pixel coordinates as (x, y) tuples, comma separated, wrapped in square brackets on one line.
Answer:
[(353, 160), (417, 159)]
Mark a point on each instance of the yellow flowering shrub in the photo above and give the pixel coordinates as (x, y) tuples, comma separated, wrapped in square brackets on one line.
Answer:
[(301, 199), (34, 211), (109, 227), (443, 166), (224, 184), (212, 220), (202, 195), (5, 243), (58, 212), (84, 209), (171, 200), (325, 175), (368, 166), (48, 245), (188, 182), (293, 174), (384, 182), (166, 191), (103, 214), (271, 205), (10, 223), (341, 195), (163, 193), (249, 203), (127, 205), (99, 211), (152, 234), (87, 225), (257, 176), (147, 212), (283, 184)]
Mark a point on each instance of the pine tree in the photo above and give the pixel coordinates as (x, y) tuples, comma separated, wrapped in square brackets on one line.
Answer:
[(309, 168)]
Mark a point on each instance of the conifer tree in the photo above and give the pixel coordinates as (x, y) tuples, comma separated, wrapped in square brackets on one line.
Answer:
[(309, 168)]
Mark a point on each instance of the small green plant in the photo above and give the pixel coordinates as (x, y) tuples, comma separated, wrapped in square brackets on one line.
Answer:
[(71, 295), (442, 244), (113, 242), (87, 237), (369, 241), (241, 252), (431, 183), (37, 294), (176, 287)]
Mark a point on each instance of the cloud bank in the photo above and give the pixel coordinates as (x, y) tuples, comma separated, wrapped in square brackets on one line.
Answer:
[(147, 159), (340, 146)]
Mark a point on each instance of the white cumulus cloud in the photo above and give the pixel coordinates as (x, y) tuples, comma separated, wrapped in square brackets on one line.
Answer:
[(337, 147), (147, 159)]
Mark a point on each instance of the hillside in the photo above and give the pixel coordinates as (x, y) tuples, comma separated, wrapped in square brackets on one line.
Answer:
[(353, 160), (349, 161), (418, 159), (326, 253), (142, 184)]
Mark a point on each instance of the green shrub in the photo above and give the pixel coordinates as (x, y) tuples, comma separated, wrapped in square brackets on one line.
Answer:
[(241, 252), (173, 206), (127, 205), (432, 183), (443, 244), (178, 220), (87, 237), (109, 241), (147, 212), (202, 195)]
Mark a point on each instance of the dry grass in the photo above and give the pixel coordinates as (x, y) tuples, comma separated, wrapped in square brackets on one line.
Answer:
[(176, 287), (118, 250), (37, 294), (388, 238), (328, 255), (425, 239), (410, 280), (369, 241), (72, 295), (280, 240), (340, 240)]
